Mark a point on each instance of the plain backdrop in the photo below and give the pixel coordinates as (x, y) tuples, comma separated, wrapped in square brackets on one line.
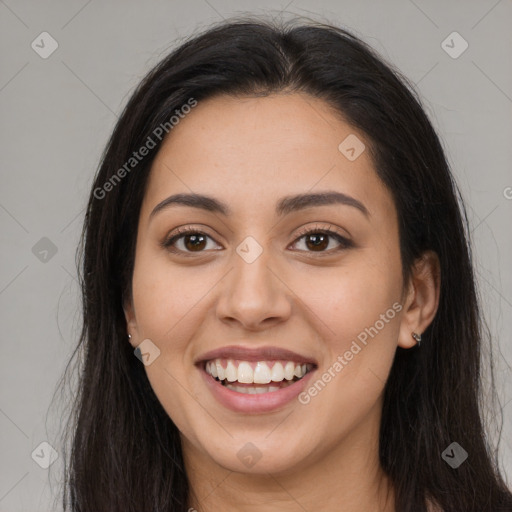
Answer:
[(57, 114)]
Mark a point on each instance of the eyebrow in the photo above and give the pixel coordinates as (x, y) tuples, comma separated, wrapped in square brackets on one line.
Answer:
[(284, 206)]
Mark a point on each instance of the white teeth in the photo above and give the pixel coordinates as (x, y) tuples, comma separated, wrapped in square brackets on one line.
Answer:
[(243, 372), (289, 370), (261, 374), (231, 372), (220, 371), (277, 372), (253, 391), (213, 369)]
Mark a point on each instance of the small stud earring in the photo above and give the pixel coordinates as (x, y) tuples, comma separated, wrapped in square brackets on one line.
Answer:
[(417, 337), (129, 336)]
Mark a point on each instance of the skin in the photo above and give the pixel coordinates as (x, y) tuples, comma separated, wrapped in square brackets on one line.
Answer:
[(249, 153)]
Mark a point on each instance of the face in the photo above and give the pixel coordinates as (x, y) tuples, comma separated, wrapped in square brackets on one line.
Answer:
[(285, 281)]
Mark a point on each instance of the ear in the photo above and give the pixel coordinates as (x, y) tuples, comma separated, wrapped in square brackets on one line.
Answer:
[(131, 322), (422, 300)]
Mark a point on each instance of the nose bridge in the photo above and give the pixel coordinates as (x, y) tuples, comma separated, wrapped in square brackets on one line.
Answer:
[(252, 293)]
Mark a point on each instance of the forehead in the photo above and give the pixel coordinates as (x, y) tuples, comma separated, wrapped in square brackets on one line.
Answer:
[(252, 151)]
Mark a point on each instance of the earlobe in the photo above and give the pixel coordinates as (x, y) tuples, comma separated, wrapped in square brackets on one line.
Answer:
[(131, 324), (422, 299)]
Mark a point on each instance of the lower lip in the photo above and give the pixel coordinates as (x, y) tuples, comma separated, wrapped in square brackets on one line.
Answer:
[(257, 403)]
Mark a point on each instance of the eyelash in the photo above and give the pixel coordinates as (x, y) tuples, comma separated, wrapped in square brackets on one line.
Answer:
[(345, 243)]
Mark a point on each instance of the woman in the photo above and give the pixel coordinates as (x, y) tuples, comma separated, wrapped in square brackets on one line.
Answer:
[(278, 296)]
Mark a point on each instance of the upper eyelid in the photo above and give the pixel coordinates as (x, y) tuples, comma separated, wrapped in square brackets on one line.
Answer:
[(188, 230), (312, 229)]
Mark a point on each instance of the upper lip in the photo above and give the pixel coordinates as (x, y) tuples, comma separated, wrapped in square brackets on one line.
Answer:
[(255, 354)]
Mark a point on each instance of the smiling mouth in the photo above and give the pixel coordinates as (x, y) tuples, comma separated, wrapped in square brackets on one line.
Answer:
[(256, 377)]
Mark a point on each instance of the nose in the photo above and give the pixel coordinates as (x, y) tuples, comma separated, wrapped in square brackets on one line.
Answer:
[(254, 295)]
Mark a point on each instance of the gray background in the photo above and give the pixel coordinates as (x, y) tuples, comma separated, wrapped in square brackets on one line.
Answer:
[(57, 113)]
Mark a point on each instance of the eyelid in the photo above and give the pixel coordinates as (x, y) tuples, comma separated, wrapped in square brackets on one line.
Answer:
[(179, 232), (332, 231)]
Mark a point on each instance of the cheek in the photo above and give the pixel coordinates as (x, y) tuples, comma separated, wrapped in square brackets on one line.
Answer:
[(348, 300), (168, 305), (167, 296), (363, 309), (359, 322), (357, 312)]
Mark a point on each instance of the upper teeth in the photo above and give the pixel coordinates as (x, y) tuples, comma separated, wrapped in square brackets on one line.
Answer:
[(260, 372)]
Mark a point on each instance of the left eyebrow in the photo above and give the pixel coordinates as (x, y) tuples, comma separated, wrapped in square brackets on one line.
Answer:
[(284, 206), (293, 203)]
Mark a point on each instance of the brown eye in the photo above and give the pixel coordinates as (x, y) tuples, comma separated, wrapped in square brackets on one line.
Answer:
[(318, 240), (187, 241), (194, 242)]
